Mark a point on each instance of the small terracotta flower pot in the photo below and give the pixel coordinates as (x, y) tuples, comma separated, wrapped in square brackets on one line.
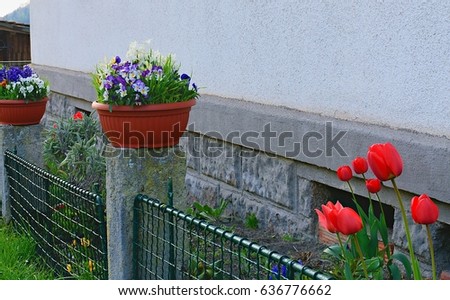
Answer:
[(19, 112), (144, 126)]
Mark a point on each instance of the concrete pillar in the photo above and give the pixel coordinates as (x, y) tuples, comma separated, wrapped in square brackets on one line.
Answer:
[(130, 172), (27, 141)]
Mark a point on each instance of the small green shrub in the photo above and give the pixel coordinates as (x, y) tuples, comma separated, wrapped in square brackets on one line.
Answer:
[(71, 151), (207, 212)]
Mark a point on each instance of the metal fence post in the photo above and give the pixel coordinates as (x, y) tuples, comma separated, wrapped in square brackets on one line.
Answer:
[(172, 261)]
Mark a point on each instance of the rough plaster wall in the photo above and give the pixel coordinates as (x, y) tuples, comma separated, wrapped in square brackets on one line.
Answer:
[(383, 62)]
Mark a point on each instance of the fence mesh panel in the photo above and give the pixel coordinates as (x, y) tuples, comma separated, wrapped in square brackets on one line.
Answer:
[(169, 244), (67, 223)]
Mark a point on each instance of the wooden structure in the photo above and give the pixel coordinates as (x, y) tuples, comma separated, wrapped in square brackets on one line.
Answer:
[(14, 43)]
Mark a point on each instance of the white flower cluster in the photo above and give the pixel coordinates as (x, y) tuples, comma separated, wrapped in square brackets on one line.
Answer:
[(28, 86)]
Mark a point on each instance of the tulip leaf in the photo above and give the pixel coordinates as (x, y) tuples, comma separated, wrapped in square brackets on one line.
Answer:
[(395, 272), (383, 230), (347, 271), (416, 268), (405, 262), (373, 264), (334, 251)]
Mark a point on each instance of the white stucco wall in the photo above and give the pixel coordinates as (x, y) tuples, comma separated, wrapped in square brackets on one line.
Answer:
[(383, 62)]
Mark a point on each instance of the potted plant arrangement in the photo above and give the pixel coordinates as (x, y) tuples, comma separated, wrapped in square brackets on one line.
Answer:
[(23, 96), (143, 102)]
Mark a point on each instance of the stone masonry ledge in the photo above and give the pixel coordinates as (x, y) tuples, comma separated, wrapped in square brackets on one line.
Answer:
[(68, 82), (426, 157)]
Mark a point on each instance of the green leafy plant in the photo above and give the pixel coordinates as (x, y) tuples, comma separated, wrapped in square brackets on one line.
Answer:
[(207, 212), (251, 221), (288, 238)]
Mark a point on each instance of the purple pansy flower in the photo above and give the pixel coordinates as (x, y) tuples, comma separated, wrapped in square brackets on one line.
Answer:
[(14, 74), (26, 72), (157, 69), (145, 73)]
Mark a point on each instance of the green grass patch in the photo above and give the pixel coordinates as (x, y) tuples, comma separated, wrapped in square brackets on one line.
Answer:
[(18, 258)]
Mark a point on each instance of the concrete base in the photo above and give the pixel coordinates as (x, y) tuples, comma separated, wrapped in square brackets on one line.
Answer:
[(129, 172)]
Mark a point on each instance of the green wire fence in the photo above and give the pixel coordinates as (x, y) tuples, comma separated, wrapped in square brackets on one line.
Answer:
[(67, 223), (169, 244)]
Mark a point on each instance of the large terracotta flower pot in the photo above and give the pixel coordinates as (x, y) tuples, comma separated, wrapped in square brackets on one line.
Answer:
[(19, 112), (144, 126)]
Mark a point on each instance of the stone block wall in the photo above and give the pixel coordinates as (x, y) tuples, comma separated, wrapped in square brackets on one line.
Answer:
[(254, 182)]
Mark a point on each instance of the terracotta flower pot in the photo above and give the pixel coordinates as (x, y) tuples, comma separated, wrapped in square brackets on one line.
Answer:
[(18, 112), (145, 126)]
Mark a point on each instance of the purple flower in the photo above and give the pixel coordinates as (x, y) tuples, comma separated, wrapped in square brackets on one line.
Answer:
[(13, 74), (185, 77), (276, 272), (195, 87), (120, 80), (107, 85), (145, 73), (26, 72), (157, 69), (118, 60), (138, 85), (2, 74)]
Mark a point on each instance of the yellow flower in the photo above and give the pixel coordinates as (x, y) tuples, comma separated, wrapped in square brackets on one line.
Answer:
[(74, 243), (85, 242), (69, 268), (91, 265)]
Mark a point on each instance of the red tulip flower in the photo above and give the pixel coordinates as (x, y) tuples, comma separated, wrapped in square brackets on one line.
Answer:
[(344, 173), (424, 210), (360, 165), (373, 185), (327, 217), (78, 116), (385, 161), (348, 221)]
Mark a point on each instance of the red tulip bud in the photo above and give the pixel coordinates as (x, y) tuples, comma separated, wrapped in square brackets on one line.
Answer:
[(360, 165), (385, 161), (344, 173), (373, 185), (424, 210)]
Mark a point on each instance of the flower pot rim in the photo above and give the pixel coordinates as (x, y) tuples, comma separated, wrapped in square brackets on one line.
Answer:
[(153, 107), (19, 101)]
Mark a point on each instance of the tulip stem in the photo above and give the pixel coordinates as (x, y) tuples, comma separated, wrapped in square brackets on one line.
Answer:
[(358, 248), (344, 254), (370, 197), (381, 205), (342, 246), (408, 235), (353, 193), (430, 243)]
